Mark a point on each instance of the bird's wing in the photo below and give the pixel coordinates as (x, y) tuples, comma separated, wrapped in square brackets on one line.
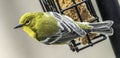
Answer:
[(68, 23), (68, 30)]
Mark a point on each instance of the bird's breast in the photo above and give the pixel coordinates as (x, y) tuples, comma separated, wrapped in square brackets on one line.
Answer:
[(47, 28)]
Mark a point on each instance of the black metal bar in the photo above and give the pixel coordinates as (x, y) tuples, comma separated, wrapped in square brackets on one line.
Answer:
[(50, 5), (54, 5), (58, 4), (93, 43), (42, 5), (88, 6), (76, 8), (67, 8), (89, 40), (46, 5), (110, 10), (91, 8)]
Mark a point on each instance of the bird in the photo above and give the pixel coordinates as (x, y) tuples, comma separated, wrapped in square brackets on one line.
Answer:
[(52, 28)]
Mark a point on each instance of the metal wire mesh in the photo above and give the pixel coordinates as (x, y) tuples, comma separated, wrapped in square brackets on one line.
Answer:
[(51, 5)]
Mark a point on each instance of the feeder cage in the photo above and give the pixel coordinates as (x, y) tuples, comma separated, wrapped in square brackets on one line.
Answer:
[(55, 6)]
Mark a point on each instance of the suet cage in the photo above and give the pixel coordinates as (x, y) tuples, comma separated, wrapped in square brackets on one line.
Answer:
[(54, 5)]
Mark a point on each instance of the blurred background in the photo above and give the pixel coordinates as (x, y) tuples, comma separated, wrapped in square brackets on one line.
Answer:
[(17, 44)]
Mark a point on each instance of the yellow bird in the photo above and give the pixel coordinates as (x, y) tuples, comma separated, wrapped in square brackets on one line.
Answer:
[(53, 28)]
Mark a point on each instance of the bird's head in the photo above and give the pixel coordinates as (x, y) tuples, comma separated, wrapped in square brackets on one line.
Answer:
[(28, 22)]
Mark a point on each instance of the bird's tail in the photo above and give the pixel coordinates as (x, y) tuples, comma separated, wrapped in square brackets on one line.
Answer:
[(103, 27)]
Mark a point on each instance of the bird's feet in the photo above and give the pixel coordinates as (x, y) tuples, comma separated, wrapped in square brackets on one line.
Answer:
[(73, 46)]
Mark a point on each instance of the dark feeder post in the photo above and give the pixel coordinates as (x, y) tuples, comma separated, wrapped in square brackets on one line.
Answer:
[(110, 10)]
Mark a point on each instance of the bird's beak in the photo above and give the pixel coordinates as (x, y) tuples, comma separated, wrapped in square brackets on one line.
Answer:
[(19, 26)]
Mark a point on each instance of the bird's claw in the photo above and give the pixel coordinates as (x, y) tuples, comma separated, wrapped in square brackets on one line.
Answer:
[(73, 46)]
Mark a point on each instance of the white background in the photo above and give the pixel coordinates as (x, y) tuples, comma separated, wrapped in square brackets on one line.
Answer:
[(17, 44)]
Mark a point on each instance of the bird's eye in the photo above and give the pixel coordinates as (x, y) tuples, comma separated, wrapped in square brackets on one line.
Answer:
[(27, 22)]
